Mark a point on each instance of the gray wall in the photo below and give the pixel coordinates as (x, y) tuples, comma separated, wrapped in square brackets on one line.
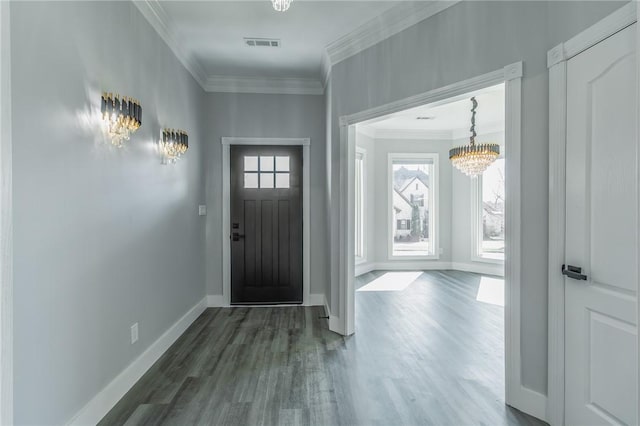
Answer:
[(255, 115), (466, 40), (103, 237)]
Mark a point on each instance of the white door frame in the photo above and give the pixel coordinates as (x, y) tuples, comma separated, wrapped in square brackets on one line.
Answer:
[(557, 63), (343, 321), (226, 209), (6, 224)]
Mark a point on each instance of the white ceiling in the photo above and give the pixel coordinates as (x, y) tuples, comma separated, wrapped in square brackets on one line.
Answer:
[(212, 32), (207, 37), (453, 116)]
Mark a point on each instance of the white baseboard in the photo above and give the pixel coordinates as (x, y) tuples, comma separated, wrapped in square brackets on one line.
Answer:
[(216, 301), (107, 398), (421, 265), (316, 299), (429, 265), (364, 268), (530, 402), (479, 268)]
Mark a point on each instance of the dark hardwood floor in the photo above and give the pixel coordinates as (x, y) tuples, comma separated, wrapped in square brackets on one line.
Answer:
[(428, 355)]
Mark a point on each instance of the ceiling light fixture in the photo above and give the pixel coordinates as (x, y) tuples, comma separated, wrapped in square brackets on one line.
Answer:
[(281, 5), (173, 144), (120, 116), (472, 159)]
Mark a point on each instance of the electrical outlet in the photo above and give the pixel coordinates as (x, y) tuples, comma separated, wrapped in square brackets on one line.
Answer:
[(441, 250), (202, 210), (134, 333)]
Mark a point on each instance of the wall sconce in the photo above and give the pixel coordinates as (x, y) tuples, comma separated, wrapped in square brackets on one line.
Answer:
[(173, 144), (121, 117)]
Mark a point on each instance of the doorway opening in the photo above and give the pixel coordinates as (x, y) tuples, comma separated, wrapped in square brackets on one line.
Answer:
[(434, 254), (428, 235)]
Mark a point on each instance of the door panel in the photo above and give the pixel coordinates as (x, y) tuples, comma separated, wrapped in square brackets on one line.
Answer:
[(602, 209), (266, 215)]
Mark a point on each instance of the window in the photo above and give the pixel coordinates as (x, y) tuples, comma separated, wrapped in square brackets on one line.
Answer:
[(266, 172), (359, 204), (413, 189), (489, 213)]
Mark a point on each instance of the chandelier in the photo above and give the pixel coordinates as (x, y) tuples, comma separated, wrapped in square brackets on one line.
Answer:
[(121, 117), (281, 5), (474, 159), (173, 144)]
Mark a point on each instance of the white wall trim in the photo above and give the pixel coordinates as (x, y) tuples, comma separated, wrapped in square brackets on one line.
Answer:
[(440, 96), (107, 398), (479, 268), (430, 265), (267, 85), (391, 22), (155, 14), (557, 62), (511, 76), (593, 35), (226, 208), (6, 223)]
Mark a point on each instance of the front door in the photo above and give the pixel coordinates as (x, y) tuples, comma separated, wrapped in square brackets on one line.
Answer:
[(601, 278), (266, 224)]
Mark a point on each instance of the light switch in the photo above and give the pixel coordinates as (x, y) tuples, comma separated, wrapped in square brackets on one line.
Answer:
[(202, 210)]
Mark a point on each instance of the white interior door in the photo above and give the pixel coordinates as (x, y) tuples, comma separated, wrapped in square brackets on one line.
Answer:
[(601, 234)]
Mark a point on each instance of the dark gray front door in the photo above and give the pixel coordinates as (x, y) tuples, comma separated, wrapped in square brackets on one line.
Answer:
[(266, 224)]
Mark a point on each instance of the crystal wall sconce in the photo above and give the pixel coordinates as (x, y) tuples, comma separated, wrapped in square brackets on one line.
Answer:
[(173, 144), (121, 116)]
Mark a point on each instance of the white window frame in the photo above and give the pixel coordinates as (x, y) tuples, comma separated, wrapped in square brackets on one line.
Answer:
[(434, 217), (361, 153), (476, 223)]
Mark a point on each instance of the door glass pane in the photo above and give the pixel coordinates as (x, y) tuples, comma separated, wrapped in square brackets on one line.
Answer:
[(266, 164), (266, 180), (411, 207), (250, 180), (282, 164), (282, 180), (250, 164), (493, 201)]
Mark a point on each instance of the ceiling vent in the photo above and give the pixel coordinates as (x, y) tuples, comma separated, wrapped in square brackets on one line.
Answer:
[(262, 42)]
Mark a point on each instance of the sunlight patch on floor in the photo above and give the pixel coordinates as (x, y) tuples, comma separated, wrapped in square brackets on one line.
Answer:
[(491, 290), (392, 281)]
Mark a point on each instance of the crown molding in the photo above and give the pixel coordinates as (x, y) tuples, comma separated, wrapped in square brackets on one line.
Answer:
[(391, 22), (412, 134), (425, 134), (286, 86), (154, 13)]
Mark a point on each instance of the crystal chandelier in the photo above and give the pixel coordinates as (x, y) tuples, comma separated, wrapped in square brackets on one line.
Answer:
[(281, 5), (173, 144), (121, 117), (472, 159)]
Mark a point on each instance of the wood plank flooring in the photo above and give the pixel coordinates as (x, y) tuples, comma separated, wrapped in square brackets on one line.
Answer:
[(428, 355)]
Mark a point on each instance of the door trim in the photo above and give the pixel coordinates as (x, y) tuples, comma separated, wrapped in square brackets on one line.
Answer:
[(557, 63), (226, 209), (6, 223), (343, 319)]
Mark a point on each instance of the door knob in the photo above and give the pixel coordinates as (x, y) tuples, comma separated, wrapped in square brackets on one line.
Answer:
[(573, 272), (236, 236)]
